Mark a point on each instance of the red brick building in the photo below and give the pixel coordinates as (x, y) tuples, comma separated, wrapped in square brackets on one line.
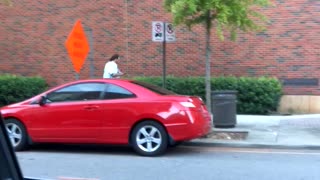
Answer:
[(33, 34)]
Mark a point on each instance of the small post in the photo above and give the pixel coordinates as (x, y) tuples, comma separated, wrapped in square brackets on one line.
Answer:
[(77, 76), (88, 31), (164, 61)]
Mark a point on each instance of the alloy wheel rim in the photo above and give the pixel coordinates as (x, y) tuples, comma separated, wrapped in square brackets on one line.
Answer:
[(149, 138), (15, 133)]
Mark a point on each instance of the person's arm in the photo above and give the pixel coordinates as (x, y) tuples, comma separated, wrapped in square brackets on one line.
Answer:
[(120, 73), (117, 74), (114, 71)]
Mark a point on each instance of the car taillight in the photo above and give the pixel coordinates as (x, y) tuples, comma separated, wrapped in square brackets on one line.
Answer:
[(187, 104), (204, 108)]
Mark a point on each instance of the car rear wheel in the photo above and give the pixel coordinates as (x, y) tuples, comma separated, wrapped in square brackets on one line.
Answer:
[(149, 138), (17, 134)]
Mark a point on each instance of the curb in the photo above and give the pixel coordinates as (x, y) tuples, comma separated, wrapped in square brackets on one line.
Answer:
[(251, 145)]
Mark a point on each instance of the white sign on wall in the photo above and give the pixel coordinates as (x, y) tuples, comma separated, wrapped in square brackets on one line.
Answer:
[(157, 31)]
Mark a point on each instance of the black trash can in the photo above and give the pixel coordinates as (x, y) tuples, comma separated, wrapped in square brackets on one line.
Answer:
[(224, 108)]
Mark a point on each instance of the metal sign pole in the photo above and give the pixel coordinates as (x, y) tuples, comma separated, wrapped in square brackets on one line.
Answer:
[(159, 34), (164, 59), (77, 76), (90, 56)]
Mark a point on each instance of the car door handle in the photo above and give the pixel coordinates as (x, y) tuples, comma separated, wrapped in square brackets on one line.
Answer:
[(88, 108), (91, 108), (95, 107)]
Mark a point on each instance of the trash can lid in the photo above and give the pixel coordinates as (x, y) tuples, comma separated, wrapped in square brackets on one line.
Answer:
[(224, 97)]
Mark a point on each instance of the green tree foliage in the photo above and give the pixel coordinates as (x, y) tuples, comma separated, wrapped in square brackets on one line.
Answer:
[(231, 15), (6, 2), (224, 15)]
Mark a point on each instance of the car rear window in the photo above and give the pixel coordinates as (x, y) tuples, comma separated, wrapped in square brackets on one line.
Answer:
[(154, 88)]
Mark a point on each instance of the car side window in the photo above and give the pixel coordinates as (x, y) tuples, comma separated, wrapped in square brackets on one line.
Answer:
[(77, 92), (116, 92)]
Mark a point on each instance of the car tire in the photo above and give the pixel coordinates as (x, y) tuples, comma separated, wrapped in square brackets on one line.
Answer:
[(149, 138), (17, 134)]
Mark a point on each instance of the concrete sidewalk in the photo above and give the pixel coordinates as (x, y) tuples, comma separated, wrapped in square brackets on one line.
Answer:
[(296, 131)]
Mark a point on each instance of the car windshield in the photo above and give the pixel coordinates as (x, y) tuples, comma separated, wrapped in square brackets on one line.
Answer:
[(154, 88)]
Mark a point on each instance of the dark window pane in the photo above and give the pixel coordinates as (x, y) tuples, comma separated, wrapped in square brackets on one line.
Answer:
[(78, 92), (156, 89), (301, 82), (117, 92)]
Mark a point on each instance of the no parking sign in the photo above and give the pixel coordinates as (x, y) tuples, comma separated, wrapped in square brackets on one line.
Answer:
[(163, 31), (157, 31), (170, 33)]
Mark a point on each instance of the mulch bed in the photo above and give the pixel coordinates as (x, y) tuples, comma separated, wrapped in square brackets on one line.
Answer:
[(227, 135)]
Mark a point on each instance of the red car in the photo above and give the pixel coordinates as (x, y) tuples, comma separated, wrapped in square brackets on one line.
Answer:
[(108, 111)]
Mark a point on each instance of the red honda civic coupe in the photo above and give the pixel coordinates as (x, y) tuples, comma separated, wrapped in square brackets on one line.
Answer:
[(108, 111)]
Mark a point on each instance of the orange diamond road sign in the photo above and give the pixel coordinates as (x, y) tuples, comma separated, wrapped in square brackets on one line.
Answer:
[(77, 46)]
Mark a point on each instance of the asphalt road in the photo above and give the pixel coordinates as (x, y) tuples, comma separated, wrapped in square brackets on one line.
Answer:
[(201, 163)]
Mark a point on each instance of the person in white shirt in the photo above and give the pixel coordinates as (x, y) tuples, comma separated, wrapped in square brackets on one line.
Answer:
[(111, 69)]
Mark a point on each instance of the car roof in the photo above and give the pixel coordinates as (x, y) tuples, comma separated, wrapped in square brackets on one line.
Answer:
[(125, 83), (100, 80)]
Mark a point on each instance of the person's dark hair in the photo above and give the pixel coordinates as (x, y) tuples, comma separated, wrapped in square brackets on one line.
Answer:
[(114, 57)]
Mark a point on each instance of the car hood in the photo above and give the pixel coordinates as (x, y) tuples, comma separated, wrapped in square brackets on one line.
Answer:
[(14, 107)]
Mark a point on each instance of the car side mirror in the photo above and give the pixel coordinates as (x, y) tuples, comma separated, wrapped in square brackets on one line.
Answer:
[(43, 100)]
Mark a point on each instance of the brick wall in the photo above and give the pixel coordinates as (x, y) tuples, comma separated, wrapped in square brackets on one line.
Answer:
[(33, 33)]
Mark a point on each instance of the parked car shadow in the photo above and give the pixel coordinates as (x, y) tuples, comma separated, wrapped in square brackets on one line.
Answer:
[(81, 148), (121, 150)]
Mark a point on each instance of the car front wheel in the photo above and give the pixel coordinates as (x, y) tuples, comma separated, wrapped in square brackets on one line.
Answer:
[(17, 134), (149, 138)]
